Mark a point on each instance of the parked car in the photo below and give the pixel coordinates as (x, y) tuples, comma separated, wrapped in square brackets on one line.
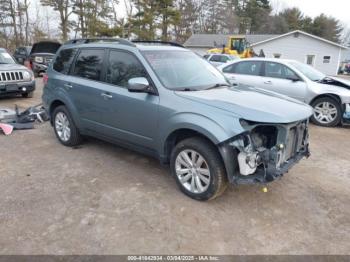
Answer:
[(41, 56), (328, 95), (167, 102), (22, 53), (15, 78), (219, 59)]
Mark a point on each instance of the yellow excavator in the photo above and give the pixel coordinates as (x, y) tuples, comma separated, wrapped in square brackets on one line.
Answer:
[(237, 45)]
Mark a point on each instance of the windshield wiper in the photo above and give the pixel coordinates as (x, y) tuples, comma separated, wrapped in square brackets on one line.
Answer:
[(217, 85), (186, 89)]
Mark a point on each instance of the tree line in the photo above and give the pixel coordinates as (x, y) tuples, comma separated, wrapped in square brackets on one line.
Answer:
[(172, 20)]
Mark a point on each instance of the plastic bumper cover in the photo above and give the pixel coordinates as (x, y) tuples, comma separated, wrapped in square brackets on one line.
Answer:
[(17, 87)]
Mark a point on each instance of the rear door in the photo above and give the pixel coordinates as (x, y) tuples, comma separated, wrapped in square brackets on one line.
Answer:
[(245, 72), (279, 78), (84, 86)]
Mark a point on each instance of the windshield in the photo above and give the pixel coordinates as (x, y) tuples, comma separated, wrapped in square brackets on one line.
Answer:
[(184, 70), (308, 71), (6, 58)]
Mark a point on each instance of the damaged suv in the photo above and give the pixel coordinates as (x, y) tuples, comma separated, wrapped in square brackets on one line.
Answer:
[(165, 101)]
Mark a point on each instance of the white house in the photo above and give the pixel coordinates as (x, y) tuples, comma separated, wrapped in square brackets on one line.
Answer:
[(320, 53)]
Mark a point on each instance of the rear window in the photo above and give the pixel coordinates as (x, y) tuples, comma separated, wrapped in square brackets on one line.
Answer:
[(64, 60)]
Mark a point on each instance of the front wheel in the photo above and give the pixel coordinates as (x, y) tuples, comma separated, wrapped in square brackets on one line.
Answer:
[(327, 112), (198, 169)]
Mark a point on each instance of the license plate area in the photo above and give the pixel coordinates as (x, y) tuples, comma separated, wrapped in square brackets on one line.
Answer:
[(12, 87)]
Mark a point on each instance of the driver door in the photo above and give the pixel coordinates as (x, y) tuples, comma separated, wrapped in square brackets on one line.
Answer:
[(128, 116)]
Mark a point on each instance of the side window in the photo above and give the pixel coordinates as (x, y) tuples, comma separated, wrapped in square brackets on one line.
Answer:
[(224, 59), (122, 67), (248, 68), (273, 70), (89, 64), (64, 60), (229, 69), (290, 74), (215, 58), (277, 70)]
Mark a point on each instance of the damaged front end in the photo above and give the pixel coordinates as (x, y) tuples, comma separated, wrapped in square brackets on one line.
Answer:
[(264, 152)]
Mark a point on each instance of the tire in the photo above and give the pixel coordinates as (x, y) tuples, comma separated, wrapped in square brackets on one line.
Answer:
[(217, 179), (61, 114), (323, 114), (28, 95)]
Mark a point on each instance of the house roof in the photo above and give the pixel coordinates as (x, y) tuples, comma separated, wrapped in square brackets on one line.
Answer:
[(218, 40), (299, 32), (212, 40)]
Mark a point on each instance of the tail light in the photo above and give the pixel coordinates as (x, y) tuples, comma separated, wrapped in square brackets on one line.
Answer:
[(45, 79)]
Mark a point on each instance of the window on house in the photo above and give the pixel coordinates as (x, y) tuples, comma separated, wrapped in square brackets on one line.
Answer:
[(310, 59), (326, 59), (277, 55)]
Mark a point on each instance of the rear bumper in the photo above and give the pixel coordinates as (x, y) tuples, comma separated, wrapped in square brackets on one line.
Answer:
[(17, 88)]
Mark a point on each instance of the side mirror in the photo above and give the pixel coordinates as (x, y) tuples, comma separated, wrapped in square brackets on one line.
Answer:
[(139, 85)]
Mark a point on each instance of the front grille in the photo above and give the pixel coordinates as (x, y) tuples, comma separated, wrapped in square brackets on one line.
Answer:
[(11, 76)]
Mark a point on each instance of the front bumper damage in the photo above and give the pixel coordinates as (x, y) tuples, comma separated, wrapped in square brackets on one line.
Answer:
[(247, 162)]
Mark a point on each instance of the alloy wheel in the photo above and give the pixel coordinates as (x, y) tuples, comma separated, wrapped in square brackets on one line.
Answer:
[(325, 112), (62, 126), (192, 171)]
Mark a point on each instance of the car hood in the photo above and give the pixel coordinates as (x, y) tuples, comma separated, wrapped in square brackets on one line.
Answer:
[(252, 104), (343, 82), (49, 47), (6, 67)]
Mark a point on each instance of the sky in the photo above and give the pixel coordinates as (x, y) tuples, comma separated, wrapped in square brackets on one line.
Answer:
[(336, 8), (340, 9)]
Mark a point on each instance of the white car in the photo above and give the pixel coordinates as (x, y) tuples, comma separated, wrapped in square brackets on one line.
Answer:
[(329, 96), (219, 59)]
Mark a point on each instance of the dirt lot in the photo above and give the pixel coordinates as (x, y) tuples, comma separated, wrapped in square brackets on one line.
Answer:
[(102, 199)]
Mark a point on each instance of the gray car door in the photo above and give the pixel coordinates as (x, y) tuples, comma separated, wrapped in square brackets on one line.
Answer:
[(128, 116), (83, 86), (280, 78)]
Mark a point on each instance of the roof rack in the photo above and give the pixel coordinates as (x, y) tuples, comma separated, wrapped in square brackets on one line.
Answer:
[(94, 40), (154, 42)]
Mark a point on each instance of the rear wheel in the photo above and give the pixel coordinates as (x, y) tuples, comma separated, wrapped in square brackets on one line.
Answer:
[(198, 169), (65, 128), (327, 112)]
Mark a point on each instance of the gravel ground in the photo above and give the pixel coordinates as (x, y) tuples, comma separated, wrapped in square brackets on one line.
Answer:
[(102, 199)]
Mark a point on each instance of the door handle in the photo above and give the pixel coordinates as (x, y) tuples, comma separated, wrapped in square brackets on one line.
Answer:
[(268, 82), (68, 86), (106, 95)]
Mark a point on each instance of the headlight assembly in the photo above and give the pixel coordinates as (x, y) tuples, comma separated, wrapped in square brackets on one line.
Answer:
[(39, 59)]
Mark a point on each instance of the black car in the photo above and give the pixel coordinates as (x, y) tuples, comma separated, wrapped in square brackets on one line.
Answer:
[(41, 56), (22, 54), (15, 78)]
